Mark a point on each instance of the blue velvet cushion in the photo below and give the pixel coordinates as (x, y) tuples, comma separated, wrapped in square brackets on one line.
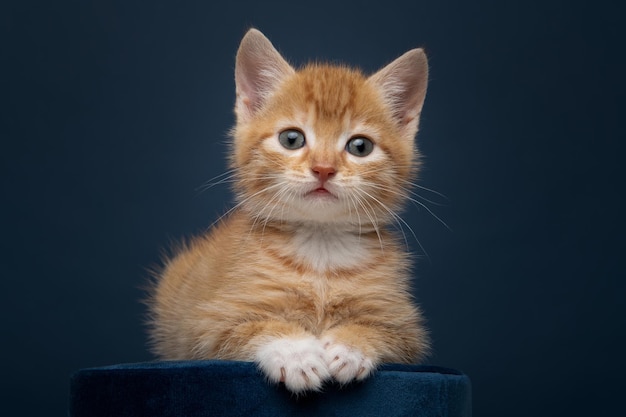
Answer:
[(222, 388)]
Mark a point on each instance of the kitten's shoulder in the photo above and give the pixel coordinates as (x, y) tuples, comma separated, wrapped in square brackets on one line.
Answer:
[(211, 246)]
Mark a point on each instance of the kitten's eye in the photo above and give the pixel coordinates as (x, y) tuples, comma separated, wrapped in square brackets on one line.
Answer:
[(360, 146), (291, 139)]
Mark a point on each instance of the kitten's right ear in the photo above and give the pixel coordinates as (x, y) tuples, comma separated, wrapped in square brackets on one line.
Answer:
[(258, 71)]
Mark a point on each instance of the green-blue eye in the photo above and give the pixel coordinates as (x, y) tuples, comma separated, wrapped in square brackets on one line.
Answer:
[(360, 146), (291, 139)]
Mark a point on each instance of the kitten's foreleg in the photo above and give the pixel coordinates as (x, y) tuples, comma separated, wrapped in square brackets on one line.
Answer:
[(283, 351), (353, 351), (346, 363), (298, 362)]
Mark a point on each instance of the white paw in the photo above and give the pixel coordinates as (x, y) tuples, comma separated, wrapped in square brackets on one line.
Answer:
[(299, 363), (346, 364)]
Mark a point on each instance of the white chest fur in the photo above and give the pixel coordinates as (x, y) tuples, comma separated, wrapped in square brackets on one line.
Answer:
[(324, 248)]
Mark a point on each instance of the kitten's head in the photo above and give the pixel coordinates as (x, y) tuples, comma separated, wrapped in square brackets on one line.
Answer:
[(325, 143)]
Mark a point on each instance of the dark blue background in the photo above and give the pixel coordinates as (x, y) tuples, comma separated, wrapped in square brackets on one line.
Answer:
[(114, 112)]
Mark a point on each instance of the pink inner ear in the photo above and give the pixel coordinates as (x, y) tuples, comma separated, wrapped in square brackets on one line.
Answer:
[(403, 84), (259, 69), (246, 92)]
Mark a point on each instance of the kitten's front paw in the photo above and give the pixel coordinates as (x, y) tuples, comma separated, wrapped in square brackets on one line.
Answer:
[(346, 363), (299, 363)]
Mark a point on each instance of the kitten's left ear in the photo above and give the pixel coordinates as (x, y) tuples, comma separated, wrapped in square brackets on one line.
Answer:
[(403, 86), (258, 71)]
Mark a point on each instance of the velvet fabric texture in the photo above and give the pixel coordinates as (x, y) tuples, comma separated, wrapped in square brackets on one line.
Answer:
[(224, 388)]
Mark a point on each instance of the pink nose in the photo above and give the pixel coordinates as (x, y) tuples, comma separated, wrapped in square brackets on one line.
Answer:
[(323, 173)]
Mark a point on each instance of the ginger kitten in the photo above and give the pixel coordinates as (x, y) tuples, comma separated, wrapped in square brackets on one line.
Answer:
[(303, 277)]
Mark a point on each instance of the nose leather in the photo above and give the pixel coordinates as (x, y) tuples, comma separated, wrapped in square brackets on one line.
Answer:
[(323, 173)]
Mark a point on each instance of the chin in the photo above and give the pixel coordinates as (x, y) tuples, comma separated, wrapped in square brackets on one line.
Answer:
[(321, 209)]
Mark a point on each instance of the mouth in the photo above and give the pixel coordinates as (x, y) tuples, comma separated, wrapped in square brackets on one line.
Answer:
[(321, 192)]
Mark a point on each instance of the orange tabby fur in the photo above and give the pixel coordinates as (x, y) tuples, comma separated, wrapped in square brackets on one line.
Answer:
[(309, 284)]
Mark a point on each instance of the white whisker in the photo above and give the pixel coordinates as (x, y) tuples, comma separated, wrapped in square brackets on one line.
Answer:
[(372, 219), (275, 197), (421, 187), (351, 203), (244, 201), (393, 191), (209, 183), (231, 176), (397, 219)]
